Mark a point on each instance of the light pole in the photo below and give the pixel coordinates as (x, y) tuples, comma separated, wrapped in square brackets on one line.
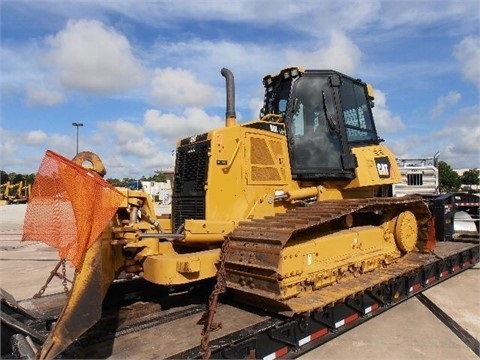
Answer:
[(77, 125)]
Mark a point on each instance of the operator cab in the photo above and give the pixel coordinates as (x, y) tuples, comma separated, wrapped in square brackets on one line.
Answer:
[(326, 113)]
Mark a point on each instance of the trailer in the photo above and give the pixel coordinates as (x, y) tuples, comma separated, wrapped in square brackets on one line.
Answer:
[(456, 216), (245, 332), (419, 176)]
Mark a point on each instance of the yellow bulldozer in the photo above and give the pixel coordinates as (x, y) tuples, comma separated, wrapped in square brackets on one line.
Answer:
[(299, 199), (14, 193)]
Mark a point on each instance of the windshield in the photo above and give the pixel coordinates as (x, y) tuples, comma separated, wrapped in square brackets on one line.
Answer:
[(313, 129)]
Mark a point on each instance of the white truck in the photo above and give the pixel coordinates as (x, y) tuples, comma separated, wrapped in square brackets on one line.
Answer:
[(419, 176), (160, 192)]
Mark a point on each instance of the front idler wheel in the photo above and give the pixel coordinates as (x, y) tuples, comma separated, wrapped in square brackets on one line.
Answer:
[(406, 231)]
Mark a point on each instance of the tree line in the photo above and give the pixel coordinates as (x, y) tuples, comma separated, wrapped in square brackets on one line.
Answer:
[(450, 180), (157, 177), (15, 178)]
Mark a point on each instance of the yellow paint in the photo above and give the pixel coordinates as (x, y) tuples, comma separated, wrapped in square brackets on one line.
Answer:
[(179, 269), (307, 265)]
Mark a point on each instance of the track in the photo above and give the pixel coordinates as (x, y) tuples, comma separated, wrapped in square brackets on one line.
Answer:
[(254, 250)]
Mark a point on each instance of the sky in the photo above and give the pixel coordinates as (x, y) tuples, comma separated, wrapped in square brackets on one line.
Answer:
[(140, 75)]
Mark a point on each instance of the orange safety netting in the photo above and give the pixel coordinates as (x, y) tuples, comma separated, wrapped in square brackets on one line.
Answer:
[(69, 207)]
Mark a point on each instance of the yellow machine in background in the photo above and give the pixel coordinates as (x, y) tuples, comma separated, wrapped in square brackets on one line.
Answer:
[(299, 195), (17, 193), (4, 189)]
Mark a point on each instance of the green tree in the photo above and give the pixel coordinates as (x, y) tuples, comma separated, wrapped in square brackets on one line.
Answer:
[(16, 178), (471, 177), (30, 178), (4, 177), (127, 181), (449, 180), (157, 177), (115, 182)]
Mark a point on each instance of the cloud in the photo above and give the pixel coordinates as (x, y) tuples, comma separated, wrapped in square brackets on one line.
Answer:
[(333, 50), (124, 130), (127, 166), (409, 146), (255, 105), (457, 141), (19, 68), (171, 127), (461, 134), (385, 121), (161, 160), (35, 137), (443, 101), (314, 15), (128, 138), (133, 149), (467, 52), (88, 56), (180, 87), (142, 149), (402, 14), (8, 146), (63, 144), (340, 54), (40, 95)]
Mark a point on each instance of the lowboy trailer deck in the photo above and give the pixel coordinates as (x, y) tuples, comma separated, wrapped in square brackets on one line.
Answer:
[(168, 325)]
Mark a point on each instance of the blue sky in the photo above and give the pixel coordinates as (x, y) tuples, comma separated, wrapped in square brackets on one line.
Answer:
[(142, 74)]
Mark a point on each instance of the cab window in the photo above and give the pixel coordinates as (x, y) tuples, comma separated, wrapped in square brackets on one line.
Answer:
[(356, 113), (314, 141)]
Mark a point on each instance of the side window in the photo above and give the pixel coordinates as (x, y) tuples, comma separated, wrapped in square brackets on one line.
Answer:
[(356, 113), (298, 125)]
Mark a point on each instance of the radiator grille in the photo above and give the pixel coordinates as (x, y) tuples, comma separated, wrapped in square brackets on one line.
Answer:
[(191, 169)]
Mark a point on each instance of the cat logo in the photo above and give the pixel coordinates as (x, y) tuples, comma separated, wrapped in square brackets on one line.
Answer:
[(383, 167)]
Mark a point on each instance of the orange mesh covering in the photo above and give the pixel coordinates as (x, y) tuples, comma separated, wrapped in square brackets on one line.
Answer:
[(69, 207)]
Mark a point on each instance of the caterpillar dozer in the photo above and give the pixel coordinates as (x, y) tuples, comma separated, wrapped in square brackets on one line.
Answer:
[(299, 199)]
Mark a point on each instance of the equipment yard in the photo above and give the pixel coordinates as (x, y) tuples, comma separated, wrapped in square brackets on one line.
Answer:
[(442, 322)]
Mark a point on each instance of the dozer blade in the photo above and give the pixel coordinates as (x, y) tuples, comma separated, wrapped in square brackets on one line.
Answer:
[(84, 305), (69, 208)]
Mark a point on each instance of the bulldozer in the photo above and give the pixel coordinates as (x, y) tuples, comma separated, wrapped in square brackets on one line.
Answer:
[(14, 193), (4, 189), (282, 207)]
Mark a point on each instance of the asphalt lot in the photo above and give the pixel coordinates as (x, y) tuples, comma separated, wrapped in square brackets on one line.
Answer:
[(408, 331)]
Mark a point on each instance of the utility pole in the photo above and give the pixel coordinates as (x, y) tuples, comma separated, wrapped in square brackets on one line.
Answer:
[(77, 125)]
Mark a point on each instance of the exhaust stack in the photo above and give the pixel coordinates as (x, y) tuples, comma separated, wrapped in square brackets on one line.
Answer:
[(230, 116)]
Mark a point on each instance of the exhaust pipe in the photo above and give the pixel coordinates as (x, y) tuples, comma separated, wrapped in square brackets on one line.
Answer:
[(230, 116)]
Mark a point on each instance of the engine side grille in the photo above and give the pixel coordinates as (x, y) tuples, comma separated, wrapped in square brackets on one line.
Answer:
[(263, 152), (191, 169)]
